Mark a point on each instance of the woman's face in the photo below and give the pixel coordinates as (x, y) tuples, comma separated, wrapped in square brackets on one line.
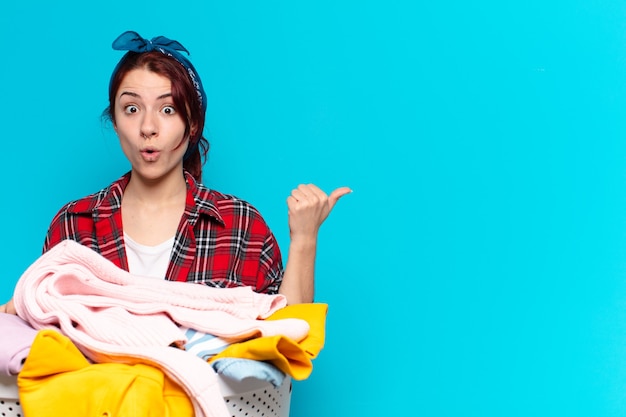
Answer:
[(148, 124)]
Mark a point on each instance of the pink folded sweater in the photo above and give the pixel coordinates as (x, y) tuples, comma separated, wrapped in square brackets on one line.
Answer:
[(114, 316)]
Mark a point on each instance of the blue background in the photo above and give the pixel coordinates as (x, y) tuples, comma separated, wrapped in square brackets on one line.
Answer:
[(479, 267)]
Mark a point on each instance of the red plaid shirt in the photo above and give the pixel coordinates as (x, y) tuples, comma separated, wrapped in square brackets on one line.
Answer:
[(221, 241)]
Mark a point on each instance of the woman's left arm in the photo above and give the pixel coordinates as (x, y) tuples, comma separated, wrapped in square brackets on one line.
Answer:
[(308, 207)]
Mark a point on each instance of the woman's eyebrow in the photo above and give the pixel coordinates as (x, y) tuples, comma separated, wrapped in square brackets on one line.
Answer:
[(130, 93)]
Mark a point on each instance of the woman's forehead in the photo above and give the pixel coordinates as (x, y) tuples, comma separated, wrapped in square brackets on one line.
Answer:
[(145, 82)]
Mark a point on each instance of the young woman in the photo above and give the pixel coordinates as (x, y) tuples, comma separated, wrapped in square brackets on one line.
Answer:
[(158, 219)]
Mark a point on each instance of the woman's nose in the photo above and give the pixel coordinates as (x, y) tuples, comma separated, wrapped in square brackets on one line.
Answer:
[(149, 126)]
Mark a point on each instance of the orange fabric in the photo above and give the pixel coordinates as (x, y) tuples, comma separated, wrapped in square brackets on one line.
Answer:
[(315, 315), (293, 358), (57, 380)]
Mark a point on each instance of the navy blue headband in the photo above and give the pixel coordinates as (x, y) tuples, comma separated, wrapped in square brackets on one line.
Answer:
[(132, 41)]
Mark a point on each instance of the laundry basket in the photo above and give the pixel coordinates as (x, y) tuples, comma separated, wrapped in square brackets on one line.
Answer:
[(249, 398)]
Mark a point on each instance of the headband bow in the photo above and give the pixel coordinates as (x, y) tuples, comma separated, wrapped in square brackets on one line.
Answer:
[(132, 41)]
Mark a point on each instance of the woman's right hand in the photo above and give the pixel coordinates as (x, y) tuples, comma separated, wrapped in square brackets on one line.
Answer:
[(8, 308)]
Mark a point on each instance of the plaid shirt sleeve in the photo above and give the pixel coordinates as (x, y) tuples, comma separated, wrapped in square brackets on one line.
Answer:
[(94, 221)]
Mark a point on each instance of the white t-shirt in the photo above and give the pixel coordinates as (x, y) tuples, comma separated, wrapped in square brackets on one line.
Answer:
[(148, 261)]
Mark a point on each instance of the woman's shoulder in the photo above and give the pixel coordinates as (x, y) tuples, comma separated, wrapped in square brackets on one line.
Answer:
[(225, 201), (105, 199), (226, 207), (207, 196)]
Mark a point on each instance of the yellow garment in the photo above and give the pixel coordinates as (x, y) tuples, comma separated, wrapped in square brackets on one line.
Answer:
[(315, 315), (291, 357), (57, 380)]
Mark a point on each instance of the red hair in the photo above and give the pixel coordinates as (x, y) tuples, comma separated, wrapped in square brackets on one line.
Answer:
[(185, 99)]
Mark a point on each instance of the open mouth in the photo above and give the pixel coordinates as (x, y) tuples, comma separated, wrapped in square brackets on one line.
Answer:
[(150, 154)]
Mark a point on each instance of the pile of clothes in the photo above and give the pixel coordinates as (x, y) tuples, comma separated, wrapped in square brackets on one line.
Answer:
[(90, 338)]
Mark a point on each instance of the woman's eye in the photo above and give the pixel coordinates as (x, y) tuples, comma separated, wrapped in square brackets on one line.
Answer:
[(130, 109), (169, 110)]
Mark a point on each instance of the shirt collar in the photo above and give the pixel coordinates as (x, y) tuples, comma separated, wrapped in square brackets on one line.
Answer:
[(200, 200)]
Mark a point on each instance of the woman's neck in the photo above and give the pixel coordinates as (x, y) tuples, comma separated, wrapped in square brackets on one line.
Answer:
[(164, 190), (152, 210)]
